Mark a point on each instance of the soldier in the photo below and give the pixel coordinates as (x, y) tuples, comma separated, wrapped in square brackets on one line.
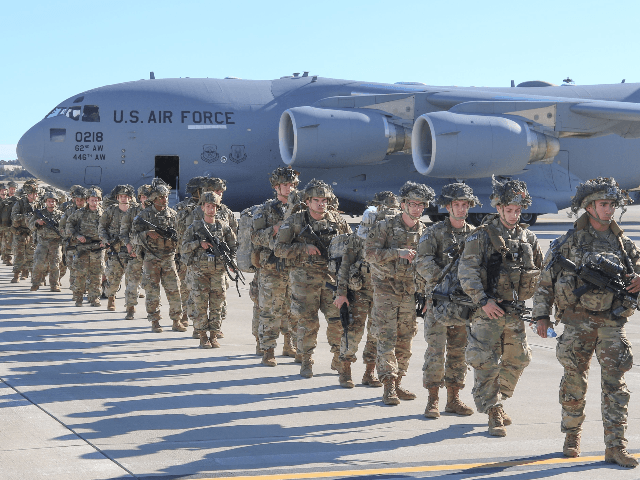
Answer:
[(110, 224), (207, 269), (88, 258), (310, 270), (5, 221), (159, 252), (499, 269), (79, 200), (49, 248), (390, 248), (432, 261), (23, 246), (274, 295), (595, 321), (7, 241), (136, 253)]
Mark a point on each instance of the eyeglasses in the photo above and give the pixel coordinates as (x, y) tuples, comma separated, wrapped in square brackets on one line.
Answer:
[(415, 205)]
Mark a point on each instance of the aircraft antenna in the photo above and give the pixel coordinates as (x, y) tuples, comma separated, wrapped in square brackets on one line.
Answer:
[(152, 76)]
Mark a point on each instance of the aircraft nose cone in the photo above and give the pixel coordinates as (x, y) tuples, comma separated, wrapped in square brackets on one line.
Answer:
[(30, 149)]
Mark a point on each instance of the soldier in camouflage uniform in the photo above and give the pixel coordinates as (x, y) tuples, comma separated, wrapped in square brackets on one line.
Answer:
[(274, 293), (135, 251), (499, 269), (207, 271), (590, 324), (4, 228), (159, 252), (110, 224), (79, 200), (88, 254), (432, 262), (49, 248), (310, 270), (7, 241), (390, 249), (23, 246)]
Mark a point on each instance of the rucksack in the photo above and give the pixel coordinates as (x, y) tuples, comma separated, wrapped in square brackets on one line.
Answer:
[(247, 255), (337, 249), (5, 212)]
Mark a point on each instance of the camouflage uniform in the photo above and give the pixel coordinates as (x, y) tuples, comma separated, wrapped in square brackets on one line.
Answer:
[(5, 213), (498, 349), (309, 274), (23, 246), (48, 250), (589, 322), (70, 242), (187, 212)]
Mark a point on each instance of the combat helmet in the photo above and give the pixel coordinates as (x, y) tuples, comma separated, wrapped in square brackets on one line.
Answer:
[(159, 188), (385, 199), (417, 191), (121, 190), (29, 187), (3, 186), (50, 194), (215, 184), (210, 197), (317, 189), (144, 190), (601, 188), (284, 175), (195, 185), (78, 191), (94, 192), (510, 192), (12, 184), (457, 191)]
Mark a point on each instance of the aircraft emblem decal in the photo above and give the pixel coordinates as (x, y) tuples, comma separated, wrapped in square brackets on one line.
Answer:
[(210, 153), (237, 154)]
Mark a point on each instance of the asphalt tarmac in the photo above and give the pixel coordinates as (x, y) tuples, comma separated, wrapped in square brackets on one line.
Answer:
[(85, 394)]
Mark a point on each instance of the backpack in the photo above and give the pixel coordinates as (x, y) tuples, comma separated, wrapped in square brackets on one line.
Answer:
[(247, 255), (373, 215), (5, 212), (337, 249)]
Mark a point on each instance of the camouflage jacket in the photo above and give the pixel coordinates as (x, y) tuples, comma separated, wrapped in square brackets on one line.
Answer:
[(382, 249), (162, 218), (110, 224), (431, 259), (44, 232), (187, 211), (126, 224), (472, 269), (354, 256), (263, 236), (20, 213), (577, 246), (192, 249), (85, 222), (225, 214), (291, 246), (66, 214)]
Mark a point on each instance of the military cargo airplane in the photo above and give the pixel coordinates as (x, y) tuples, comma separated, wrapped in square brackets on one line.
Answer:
[(361, 137)]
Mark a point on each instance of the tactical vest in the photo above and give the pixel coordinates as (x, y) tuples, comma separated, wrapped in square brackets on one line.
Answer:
[(248, 254)]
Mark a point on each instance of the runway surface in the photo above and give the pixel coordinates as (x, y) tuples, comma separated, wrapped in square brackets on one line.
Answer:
[(85, 394)]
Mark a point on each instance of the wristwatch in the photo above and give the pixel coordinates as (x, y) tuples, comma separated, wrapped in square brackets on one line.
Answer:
[(484, 301)]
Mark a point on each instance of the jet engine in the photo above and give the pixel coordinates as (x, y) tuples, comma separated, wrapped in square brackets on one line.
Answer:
[(324, 138), (452, 145)]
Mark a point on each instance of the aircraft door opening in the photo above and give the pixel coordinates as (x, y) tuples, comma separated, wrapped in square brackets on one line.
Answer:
[(168, 169)]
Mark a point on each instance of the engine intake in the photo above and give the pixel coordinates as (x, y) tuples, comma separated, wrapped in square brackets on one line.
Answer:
[(323, 138), (452, 145)]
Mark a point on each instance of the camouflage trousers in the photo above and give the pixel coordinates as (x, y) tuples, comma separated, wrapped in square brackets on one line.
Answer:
[(114, 273), (22, 250), (46, 258), (574, 350), (443, 369), (6, 244), (133, 275), (89, 267), (498, 351), (308, 295), (156, 271), (253, 295), (207, 293), (184, 285), (394, 322), (72, 271), (361, 314), (274, 299)]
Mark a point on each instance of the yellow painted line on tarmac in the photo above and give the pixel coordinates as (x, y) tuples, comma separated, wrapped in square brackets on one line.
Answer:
[(430, 468)]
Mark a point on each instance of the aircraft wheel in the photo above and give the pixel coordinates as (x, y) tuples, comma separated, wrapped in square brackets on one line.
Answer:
[(529, 218)]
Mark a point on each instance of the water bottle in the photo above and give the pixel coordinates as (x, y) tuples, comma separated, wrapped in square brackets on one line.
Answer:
[(551, 333)]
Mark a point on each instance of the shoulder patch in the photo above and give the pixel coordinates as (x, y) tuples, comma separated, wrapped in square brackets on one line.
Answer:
[(472, 237)]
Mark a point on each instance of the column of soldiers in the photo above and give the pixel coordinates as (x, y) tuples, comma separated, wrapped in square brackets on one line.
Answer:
[(475, 281)]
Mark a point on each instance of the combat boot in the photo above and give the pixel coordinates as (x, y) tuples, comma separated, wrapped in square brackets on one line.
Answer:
[(178, 327), (455, 405), (345, 375), (16, 277), (390, 397), (9, 262), (185, 321), (140, 295), (130, 312), (287, 347), (620, 456), (506, 419), (369, 377), (403, 393), (220, 334), (155, 326), (111, 303), (25, 274), (213, 339), (335, 362), (298, 358), (204, 340), (269, 357), (571, 446), (34, 287), (306, 369), (95, 302), (55, 288), (496, 425), (195, 333), (432, 410)]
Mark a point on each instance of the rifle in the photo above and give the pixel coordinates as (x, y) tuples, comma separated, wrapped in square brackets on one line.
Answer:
[(221, 249), (48, 222), (115, 253), (307, 233), (89, 246), (168, 233), (517, 308), (421, 300), (346, 319), (603, 274)]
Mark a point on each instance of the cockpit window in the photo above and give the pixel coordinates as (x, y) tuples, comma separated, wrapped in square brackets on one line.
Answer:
[(90, 113), (55, 112), (73, 113)]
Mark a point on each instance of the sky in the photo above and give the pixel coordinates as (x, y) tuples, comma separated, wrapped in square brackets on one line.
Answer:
[(53, 50)]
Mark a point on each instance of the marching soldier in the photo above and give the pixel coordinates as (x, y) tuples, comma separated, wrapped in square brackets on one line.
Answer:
[(499, 269), (303, 239), (23, 246), (274, 296), (208, 289), (88, 258), (5, 221), (49, 247), (594, 321), (79, 200), (432, 261), (7, 242), (159, 252), (110, 223), (390, 248)]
